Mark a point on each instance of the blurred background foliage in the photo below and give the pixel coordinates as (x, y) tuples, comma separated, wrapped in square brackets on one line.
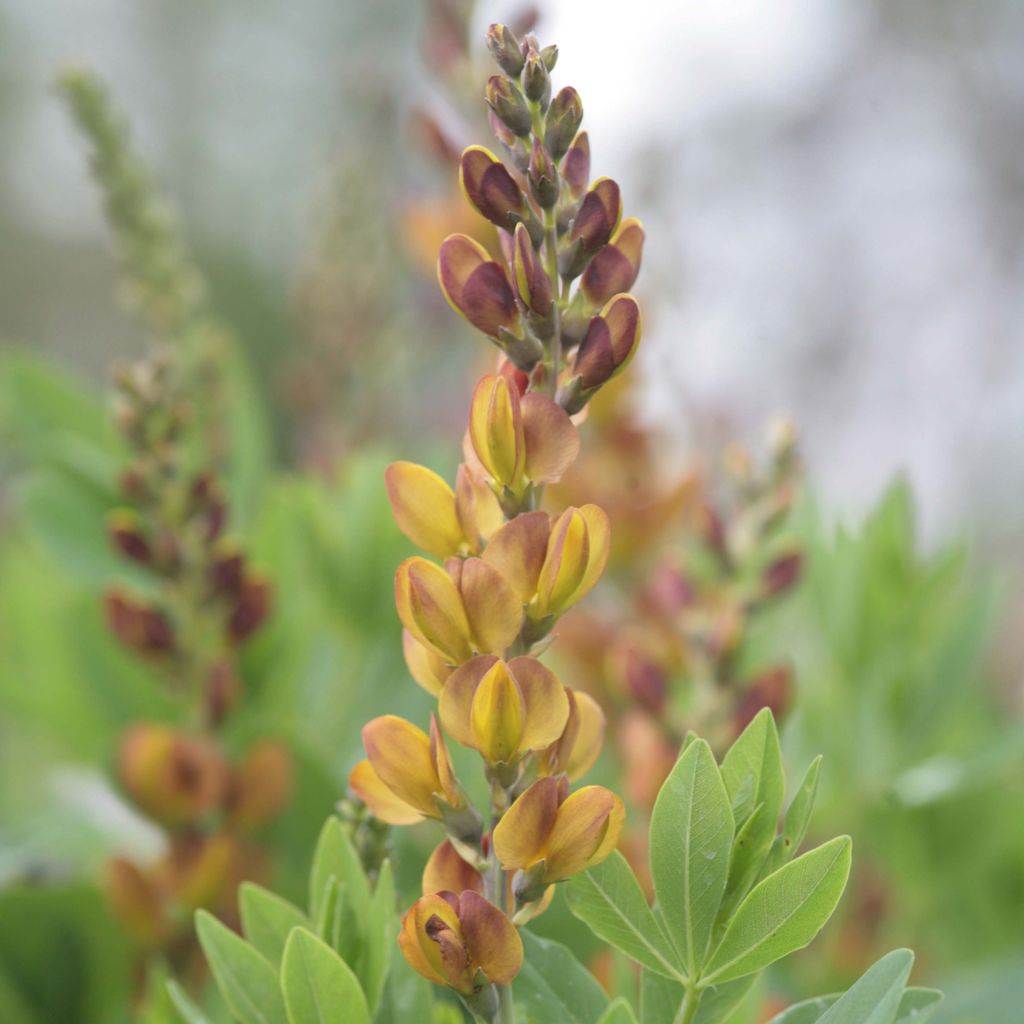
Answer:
[(313, 192)]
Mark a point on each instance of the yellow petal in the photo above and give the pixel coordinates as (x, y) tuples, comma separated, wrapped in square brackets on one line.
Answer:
[(417, 947), (400, 755), (456, 700), (492, 940), (518, 550), (581, 831), (476, 507), (589, 738), (446, 870), (492, 607), (552, 442), (520, 838), (599, 535), (424, 507), (497, 714), (565, 564), (430, 607), (367, 785), (448, 784), (496, 430), (425, 665), (544, 700)]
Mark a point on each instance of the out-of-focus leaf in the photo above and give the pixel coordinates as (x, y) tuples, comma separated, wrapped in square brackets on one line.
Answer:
[(268, 920), (319, 987), (875, 997), (691, 838), (618, 1012), (783, 913), (187, 1009)]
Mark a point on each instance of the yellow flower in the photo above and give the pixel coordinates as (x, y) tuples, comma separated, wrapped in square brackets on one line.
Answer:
[(579, 746), (549, 835), (446, 871), (460, 941), (424, 507), (504, 709)]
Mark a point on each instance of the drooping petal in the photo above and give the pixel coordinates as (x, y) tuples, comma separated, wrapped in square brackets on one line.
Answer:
[(497, 715), (576, 165), (367, 785), (491, 938), (400, 755), (520, 838), (531, 280), (492, 608), (552, 441), (518, 550), (424, 507), (581, 832), (544, 701), (425, 665), (430, 607), (447, 870)]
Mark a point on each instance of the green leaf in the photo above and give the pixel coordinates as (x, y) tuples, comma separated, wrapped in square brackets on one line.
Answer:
[(798, 816), (381, 928), (319, 987), (753, 776), (917, 1006), (875, 998), (187, 1010), (619, 1012), (691, 836), (408, 996), (245, 978), (336, 856), (783, 913), (608, 898), (553, 987), (267, 920)]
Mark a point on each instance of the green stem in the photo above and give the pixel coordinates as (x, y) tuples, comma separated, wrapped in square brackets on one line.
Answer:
[(691, 1002), (506, 1005)]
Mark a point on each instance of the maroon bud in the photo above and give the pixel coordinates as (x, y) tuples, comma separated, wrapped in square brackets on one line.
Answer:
[(576, 166), (532, 283), (476, 286), (543, 177), (610, 342), (772, 689), (490, 188), (645, 681), (506, 50), (126, 535), (782, 574), (508, 104), (251, 608), (562, 122), (226, 572), (615, 267), (598, 216), (141, 629), (536, 80), (222, 691)]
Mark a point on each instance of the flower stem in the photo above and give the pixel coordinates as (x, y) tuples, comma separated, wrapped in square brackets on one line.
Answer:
[(688, 1010)]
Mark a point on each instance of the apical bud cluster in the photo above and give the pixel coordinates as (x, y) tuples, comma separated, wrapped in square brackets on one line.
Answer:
[(476, 620)]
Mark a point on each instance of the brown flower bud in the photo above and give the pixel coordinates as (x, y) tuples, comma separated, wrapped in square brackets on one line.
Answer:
[(562, 122), (598, 216), (140, 628), (782, 574), (543, 177), (610, 342), (261, 785), (506, 50), (772, 689), (137, 901), (126, 535), (576, 166), (227, 571), (222, 691), (508, 104), (476, 286), (490, 189), (615, 267), (536, 80), (532, 283), (251, 608)]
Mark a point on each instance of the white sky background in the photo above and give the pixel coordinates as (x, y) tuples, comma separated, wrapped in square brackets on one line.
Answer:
[(833, 192)]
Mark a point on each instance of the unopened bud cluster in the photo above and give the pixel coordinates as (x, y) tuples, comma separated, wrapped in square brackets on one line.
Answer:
[(478, 614)]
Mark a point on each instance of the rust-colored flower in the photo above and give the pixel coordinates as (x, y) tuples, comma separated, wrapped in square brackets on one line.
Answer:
[(476, 286), (610, 342), (424, 508), (490, 189), (577, 749), (532, 282), (598, 216), (447, 870), (614, 268)]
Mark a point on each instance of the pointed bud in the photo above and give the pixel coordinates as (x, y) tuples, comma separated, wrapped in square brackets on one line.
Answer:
[(543, 177), (576, 166), (142, 629), (508, 104), (490, 189), (598, 216), (126, 534), (550, 57), (536, 80), (463, 942), (615, 267), (610, 342), (506, 50), (562, 122), (532, 284), (476, 286)]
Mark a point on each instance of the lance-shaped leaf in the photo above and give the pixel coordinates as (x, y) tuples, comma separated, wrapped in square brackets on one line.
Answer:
[(476, 286), (267, 920), (554, 987), (614, 268), (319, 987), (783, 913), (246, 980), (798, 817), (609, 900), (691, 836), (917, 1006), (619, 1012), (335, 857), (875, 998)]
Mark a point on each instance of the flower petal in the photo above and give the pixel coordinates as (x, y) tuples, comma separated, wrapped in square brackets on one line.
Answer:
[(520, 838), (589, 739), (424, 507), (547, 707), (421, 952), (430, 607), (580, 832), (552, 442), (447, 870), (518, 549), (496, 429), (367, 785), (456, 699), (476, 506), (497, 715), (492, 607), (400, 755), (449, 786), (425, 665), (492, 940), (599, 535), (565, 564)]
